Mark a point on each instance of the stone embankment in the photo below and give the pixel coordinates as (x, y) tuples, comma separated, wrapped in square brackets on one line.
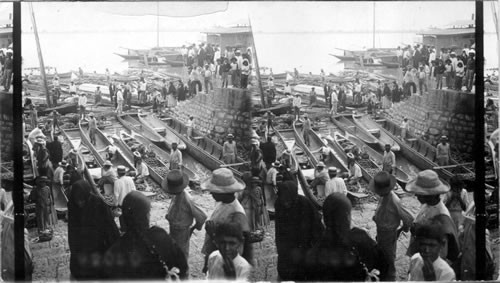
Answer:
[(219, 113), (439, 113)]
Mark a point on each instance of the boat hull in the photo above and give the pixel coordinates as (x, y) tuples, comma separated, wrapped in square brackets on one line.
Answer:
[(369, 125), (348, 126), (153, 123), (131, 123)]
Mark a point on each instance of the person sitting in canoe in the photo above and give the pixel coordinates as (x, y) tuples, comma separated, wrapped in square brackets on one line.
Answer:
[(354, 171), (320, 179)]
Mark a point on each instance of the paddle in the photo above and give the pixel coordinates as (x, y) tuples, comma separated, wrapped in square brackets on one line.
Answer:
[(233, 164), (452, 166)]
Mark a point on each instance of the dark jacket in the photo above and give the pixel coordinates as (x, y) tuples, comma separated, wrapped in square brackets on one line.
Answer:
[(268, 152), (136, 256)]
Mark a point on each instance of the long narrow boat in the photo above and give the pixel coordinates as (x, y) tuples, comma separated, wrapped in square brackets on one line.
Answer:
[(99, 149), (203, 149), (373, 128), (62, 109), (85, 160), (131, 122), (157, 163), (315, 148), (422, 153), (276, 110), (348, 126), (154, 124), (287, 136), (403, 173), (368, 167), (157, 169), (344, 58)]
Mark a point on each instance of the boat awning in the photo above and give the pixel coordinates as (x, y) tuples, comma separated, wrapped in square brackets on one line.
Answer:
[(232, 30), (444, 32)]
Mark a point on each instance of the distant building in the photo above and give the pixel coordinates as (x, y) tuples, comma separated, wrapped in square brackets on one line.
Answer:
[(455, 37), (235, 37)]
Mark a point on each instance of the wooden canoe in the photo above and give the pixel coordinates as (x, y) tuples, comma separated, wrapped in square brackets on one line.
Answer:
[(160, 154), (99, 149), (73, 137), (403, 173), (276, 110), (154, 124), (131, 123), (344, 58), (421, 153), (157, 169), (288, 137), (62, 109), (203, 149), (368, 167), (373, 128), (316, 145), (348, 126)]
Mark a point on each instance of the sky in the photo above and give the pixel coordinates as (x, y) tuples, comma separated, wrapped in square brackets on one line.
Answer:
[(271, 17)]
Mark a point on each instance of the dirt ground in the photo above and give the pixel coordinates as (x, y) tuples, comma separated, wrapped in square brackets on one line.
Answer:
[(52, 258)]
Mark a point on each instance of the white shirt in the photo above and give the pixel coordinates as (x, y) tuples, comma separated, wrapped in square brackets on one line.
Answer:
[(432, 57), (288, 89), (216, 269), (189, 123), (335, 185), (119, 96), (297, 101), (355, 171), (56, 83), (82, 100), (143, 170), (442, 270), (399, 52), (72, 88), (334, 96), (191, 53), (122, 187), (142, 86), (217, 55)]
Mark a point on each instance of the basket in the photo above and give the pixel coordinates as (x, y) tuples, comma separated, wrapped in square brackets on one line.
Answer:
[(256, 236)]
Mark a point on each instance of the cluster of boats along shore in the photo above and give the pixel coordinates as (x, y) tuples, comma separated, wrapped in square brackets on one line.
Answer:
[(330, 141)]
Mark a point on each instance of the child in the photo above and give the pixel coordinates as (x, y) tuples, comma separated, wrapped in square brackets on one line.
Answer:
[(46, 217), (427, 265), (226, 262)]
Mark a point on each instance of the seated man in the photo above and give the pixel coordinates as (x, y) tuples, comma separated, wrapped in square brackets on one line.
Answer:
[(427, 265), (226, 263)]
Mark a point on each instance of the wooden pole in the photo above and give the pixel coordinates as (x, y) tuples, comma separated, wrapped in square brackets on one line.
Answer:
[(40, 58), (157, 24), (373, 24), (257, 69)]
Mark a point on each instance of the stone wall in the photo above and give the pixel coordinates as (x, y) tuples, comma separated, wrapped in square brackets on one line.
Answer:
[(440, 112), (219, 113)]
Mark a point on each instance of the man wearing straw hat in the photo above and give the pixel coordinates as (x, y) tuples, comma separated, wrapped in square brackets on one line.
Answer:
[(296, 103), (229, 150), (389, 160), (223, 186), (182, 211), (108, 178), (428, 187), (388, 216), (443, 152)]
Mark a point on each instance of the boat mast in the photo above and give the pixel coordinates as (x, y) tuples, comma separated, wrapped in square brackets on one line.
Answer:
[(495, 18), (257, 69), (373, 25), (40, 58), (157, 24)]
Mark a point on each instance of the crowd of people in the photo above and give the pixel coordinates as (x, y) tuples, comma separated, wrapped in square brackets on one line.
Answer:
[(6, 66)]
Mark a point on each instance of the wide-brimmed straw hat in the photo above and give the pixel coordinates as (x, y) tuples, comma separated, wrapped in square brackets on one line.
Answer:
[(320, 164), (332, 169), (350, 155), (254, 141), (73, 151), (382, 183), (276, 164), (222, 181), (427, 183), (108, 163), (256, 179), (137, 154), (175, 182), (230, 136), (63, 163), (444, 138)]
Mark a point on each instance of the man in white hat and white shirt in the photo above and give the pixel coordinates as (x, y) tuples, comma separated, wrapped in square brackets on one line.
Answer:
[(35, 132), (82, 102), (428, 187), (119, 100), (223, 186), (108, 178), (335, 184), (58, 181), (122, 186)]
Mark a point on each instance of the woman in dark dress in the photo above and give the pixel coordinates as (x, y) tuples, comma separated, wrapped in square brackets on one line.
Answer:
[(181, 93), (91, 231), (298, 227), (343, 253), (142, 252), (396, 93)]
